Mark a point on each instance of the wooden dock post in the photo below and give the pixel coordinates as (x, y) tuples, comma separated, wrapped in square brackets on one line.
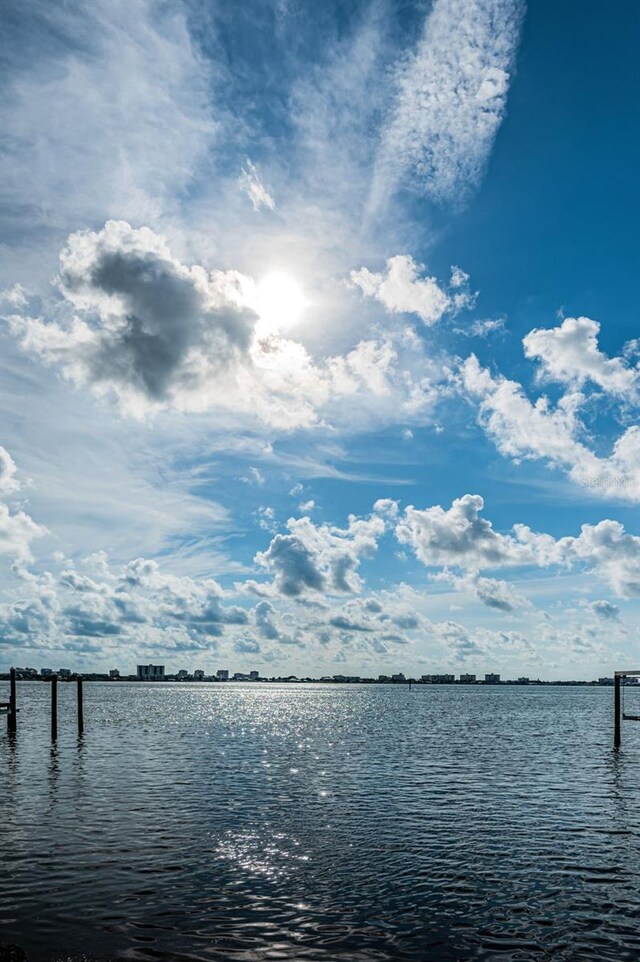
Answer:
[(54, 707), (80, 706), (12, 716), (616, 710)]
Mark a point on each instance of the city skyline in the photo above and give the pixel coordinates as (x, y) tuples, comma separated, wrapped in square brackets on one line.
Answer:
[(320, 351), (157, 673)]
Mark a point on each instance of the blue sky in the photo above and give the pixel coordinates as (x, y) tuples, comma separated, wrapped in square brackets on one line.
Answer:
[(319, 338)]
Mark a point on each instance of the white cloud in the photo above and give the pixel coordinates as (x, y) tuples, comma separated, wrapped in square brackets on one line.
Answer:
[(17, 531), (492, 592), (401, 290), (319, 558), (255, 476), (249, 181), (459, 537), (570, 354), (604, 610), (112, 114), (137, 323), (522, 430), (483, 328), (9, 483), (451, 99)]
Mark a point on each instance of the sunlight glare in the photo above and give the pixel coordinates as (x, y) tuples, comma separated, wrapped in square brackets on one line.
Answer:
[(280, 302)]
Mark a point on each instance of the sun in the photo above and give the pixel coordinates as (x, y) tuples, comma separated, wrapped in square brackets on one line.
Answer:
[(280, 302)]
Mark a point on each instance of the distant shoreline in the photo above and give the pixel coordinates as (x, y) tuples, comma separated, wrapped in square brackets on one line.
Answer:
[(507, 683)]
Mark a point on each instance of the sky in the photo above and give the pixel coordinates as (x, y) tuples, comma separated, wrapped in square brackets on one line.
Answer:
[(319, 348)]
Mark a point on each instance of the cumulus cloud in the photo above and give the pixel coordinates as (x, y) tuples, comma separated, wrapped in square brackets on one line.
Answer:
[(17, 531), (401, 290), (604, 610), (451, 99), (319, 558), (492, 592), (249, 181), (570, 354), (460, 538), (524, 430), (9, 483), (158, 334)]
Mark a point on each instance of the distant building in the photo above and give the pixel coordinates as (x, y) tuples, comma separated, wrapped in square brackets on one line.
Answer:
[(182, 675), (150, 672), (198, 674), (491, 679), (523, 680), (398, 677), (605, 681), (240, 676), (26, 672), (64, 672), (467, 679), (114, 673), (254, 675), (222, 674), (439, 679), (384, 678), (46, 672)]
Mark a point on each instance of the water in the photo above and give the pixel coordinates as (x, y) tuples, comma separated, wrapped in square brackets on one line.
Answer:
[(267, 822)]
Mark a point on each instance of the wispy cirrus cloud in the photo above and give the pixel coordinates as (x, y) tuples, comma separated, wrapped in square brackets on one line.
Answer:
[(250, 182), (450, 101)]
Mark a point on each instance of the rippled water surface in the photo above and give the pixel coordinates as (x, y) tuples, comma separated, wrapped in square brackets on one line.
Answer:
[(249, 822)]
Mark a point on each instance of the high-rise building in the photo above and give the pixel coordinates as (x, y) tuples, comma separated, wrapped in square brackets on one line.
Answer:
[(491, 679), (467, 679), (222, 674), (254, 675), (198, 674), (150, 672)]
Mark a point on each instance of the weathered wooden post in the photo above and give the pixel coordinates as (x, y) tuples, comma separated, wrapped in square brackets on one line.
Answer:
[(12, 717), (54, 707), (80, 706), (616, 710)]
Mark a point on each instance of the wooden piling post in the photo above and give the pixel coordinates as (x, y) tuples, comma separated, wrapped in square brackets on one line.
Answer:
[(54, 707), (80, 706), (12, 717), (616, 711)]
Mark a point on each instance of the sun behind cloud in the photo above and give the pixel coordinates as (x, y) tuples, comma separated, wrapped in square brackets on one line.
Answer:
[(280, 303)]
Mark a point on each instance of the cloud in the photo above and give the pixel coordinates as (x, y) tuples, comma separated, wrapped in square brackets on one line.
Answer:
[(249, 181), (17, 531), (162, 329), (255, 476), (459, 537), (522, 430), (451, 99), (319, 558), (483, 328), (113, 113), (9, 483), (496, 594), (604, 610), (401, 290), (609, 550), (570, 354), (136, 323)]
